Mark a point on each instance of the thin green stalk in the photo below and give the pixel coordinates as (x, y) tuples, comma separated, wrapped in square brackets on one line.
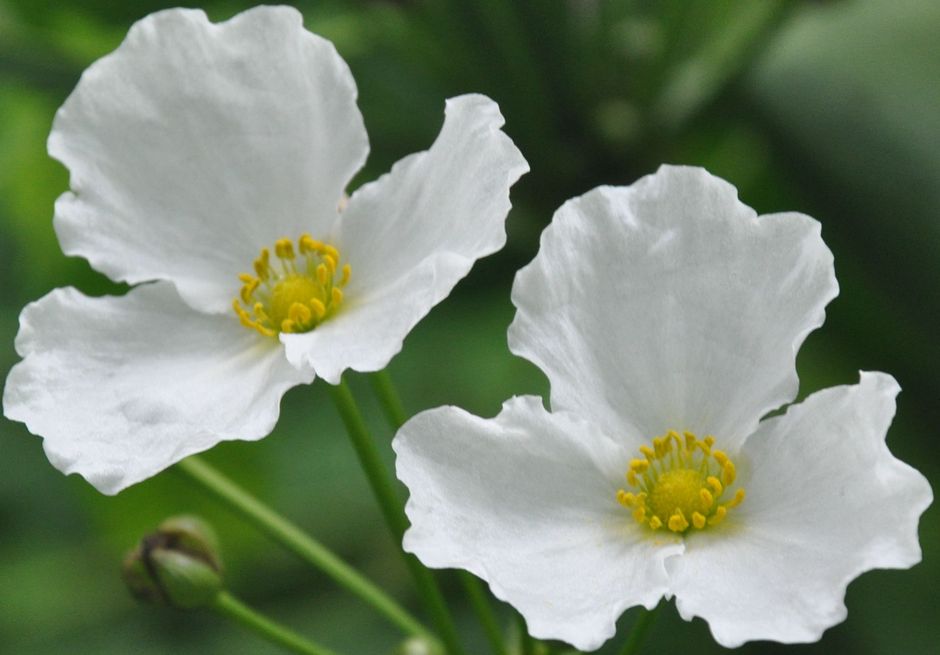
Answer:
[(385, 493), (227, 605), (639, 631), (389, 399), (526, 642), (394, 411), (301, 544), (481, 607)]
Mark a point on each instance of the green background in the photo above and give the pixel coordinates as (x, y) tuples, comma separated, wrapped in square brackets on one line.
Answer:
[(829, 108)]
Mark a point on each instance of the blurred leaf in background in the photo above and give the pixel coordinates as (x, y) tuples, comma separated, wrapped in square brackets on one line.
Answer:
[(829, 108)]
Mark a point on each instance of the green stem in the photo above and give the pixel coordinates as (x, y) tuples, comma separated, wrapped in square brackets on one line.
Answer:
[(298, 542), (640, 629), (389, 399), (385, 493), (227, 605), (485, 614), (394, 411), (526, 642)]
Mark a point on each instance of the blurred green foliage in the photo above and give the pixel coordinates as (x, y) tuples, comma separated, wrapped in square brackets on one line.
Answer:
[(829, 108)]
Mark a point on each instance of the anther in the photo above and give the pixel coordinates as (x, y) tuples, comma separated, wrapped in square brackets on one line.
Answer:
[(639, 465), (625, 498), (718, 516), (715, 484), (307, 244), (678, 522), (262, 264), (318, 308), (659, 445), (707, 498), (284, 248), (299, 313), (727, 473)]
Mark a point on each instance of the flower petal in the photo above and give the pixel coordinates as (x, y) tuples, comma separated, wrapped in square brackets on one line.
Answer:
[(670, 305), (411, 235), (527, 501), (194, 145), (826, 501), (123, 387)]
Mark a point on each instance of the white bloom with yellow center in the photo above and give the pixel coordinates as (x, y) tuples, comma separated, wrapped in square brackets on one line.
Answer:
[(210, 162), (667, 316)]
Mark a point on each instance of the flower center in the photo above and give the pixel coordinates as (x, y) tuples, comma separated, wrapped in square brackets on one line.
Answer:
[(294, 293), (679, 484)]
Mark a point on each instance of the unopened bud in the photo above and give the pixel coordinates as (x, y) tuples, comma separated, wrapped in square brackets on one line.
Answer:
[(177, 565), (418, 646)]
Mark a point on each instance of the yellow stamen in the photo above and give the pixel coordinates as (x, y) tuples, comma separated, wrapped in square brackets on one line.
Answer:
[(727, 473), (718, 516), (295, 296), (318, 308), (680, 483), (284, 249), (737, 500), (707, 498), (263, 265), (677, 522), (715, 484)]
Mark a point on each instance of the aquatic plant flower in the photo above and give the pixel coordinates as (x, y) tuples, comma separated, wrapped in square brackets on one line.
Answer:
[(667, 316), (208, 166)]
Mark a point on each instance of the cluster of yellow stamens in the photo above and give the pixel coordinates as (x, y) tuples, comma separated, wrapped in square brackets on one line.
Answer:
[(679, 483), (294, 293)]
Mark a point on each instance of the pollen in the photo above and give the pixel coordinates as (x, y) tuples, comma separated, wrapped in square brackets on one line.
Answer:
[(295, 291), (682, 483)]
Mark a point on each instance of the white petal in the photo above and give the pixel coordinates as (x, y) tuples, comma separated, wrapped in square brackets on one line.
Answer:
[(411, 235), (670, 305), (194, 145), (527, 501), (122, 387), (826, 501)]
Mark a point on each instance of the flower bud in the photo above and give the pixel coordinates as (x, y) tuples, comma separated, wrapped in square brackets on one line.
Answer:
[(177, 565), (418, 646)]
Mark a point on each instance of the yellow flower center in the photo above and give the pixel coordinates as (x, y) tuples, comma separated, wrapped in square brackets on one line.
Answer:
[(295, 293), (679, 484)]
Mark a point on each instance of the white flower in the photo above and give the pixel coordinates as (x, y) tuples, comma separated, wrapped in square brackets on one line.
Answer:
[(657, 309), (204, 153)]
